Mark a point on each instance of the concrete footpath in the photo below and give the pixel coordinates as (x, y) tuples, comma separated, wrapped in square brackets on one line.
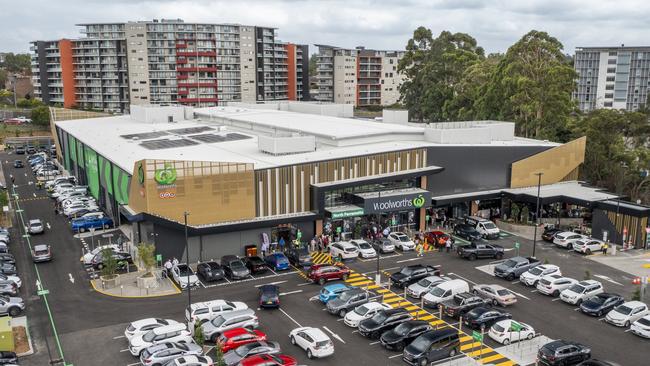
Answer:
[(128, 287), (630, 261)]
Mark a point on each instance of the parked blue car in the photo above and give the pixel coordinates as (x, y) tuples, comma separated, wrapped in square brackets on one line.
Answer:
[(277, 261), (86, 223), (331, 292)]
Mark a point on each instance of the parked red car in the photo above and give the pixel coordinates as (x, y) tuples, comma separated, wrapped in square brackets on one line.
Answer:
[(321, 273), (236, 337), (269, 360), (433, 237)]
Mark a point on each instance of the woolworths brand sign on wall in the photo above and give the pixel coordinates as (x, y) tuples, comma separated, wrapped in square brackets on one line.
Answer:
[(397, 202)]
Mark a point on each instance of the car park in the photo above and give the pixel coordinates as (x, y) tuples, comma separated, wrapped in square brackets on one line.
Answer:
[(320, 274), (184, 276), (553, 285), (364, 248), (497, 293), (402, 335), (331, 292), (444, 291), (343, 250), (348, 301), (383, 245), (582, 290), (11, 305), (229, 320), (313, 340), (201, 312), (508, 331), (588, 246), (163, 352), (18, 164), (86, 223), (299, 257), (269, 296), (401, 241), (210, 271), (35, 226), (233, 357), (277, 261), (480, 249), (514, 267), (383, 321), (190, 360), (41, 253), (533, 275), (362, 312), (627, 313), (562, 352), (641, 327), (255, 264), (144, 325), (234, 338), (413, 273), (234, 268), (566, 239), (432, 346), (483, 317), (269, 360), (467, 232), (461, 303), (601, 304), (416, 290)]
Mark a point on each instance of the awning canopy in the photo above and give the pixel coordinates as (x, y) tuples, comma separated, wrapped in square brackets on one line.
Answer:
[(571, 192), (466, 196)]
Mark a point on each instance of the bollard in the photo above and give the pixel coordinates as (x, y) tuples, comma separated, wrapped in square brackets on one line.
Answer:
[(404, 292), (422, 302), (121, 290), (460, 323)]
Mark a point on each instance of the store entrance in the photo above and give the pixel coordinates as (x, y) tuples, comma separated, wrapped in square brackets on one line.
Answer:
[(371, 226)]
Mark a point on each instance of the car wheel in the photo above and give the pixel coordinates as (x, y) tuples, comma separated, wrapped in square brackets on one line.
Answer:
[(579, 302), (570, 246), (510, 277), (400, 346), (627, 323), (293, 340), (15, 311), (599, 313), (321, 281), (345, 277), (342, 313), (106, 226), (424, 362), (498, 256), (588, 251), (472, 257), (556, 293), (309, 354), (482, 327), (81, 229), (506, 341), (475, 292), (100, 266), (453, 352), (495, 302), (530, 336), (374, 335)]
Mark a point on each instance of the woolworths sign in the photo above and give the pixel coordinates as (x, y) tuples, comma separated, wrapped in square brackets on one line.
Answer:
[(397, 203)]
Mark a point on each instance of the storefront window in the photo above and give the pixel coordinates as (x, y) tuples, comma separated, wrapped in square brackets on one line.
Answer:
[(343, 196)]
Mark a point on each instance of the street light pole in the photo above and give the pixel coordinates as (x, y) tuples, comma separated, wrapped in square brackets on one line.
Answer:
[(539, 186), (187, 258)]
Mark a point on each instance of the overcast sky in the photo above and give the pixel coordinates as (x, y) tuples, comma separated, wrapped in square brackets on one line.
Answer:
[(380, 24)]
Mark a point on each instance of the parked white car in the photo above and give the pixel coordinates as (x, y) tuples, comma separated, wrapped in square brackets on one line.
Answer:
[(416, 290), (362, 312), (313, 340), (553, 285), (145, 325), (192, 360), (627, 313), (581, 291), (168, 333), (567, 239), (365, 249), (401, 241), (641, 327), (534, 274), (508, 331), (588, 246), (184, 276), (343, 249), (201, 312)]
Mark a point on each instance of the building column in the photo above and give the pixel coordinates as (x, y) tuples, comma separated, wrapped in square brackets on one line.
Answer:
[(319, 227), (473, 210)]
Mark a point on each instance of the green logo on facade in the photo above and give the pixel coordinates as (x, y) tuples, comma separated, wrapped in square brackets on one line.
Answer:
[(140, 174), (166, 176), (419, 201)]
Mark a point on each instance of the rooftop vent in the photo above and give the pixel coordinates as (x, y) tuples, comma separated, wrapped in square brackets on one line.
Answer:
[(286, 144)]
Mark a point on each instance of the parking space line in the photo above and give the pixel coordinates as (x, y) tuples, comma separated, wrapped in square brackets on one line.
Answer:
[(119, 337), (275, 273), (520, 295), (271, 283), (124, 350), (289, 316), (373, 343), (462, 278), (556, 299), (134, 364), (290, 292), (334, 335)]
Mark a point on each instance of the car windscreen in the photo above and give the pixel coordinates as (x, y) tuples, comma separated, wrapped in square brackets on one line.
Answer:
[(536, 271), (510, 263), (322, 343), (364, 245), (403, 238), (41, 251), (406, 271), (498, 328), (402, 329), (644, 321), (623, 309), (35, 224), (236, 264), (149, 336), (379, 317), (577, 288), (185, 270), (598, 300), (361, 310), (424, 282), (245, 349), (218, 321), (437, 292), (489, 225)]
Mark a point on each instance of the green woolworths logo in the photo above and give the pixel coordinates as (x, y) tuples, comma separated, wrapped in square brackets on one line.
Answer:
[(419, 201), (166, 176)]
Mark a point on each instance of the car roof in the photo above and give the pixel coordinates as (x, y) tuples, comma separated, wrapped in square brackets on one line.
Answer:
[(170, 327), (346, 244), (588, 282), (317, 334), (558, 343), (269, 288), (205, 304), (494, 286), (41, 247), (395, 311), (35, 221), (432, 334), (634, 303), (334, 286)]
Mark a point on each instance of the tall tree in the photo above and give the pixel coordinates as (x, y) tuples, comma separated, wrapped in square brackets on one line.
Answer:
[(434, 68), (20, 63)]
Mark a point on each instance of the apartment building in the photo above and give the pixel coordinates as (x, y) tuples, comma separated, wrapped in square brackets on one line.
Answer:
[(168, 62), (612, 77), (359, 76)]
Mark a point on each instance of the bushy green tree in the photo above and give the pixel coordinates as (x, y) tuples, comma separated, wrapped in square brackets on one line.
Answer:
[(109, 263), (146, 255), (199, 337), (41, 116)]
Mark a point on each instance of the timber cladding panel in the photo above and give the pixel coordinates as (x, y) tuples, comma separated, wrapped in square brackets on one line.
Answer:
[(557, 164), (210, 191)]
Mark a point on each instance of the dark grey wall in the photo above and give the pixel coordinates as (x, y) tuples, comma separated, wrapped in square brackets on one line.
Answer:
[(474, 168), (42, 72), (305, 72)]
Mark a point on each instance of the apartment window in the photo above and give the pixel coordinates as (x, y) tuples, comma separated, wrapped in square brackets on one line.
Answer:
[(608, 104), (611, 61), (135, 90), (610, 78), (611, 70), (391, 61), (609, 87), (143, 82), (609, 95), (612, 53)]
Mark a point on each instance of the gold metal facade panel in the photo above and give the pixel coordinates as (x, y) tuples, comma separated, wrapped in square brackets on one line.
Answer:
[(556, 163), (211, 191)]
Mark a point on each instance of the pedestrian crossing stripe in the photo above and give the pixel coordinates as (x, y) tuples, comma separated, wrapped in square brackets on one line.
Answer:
[(390, 301), (372, 287), (437, 322), (321, 258), (480, 351), (411, 308), (382, 291), (491, 358), (420, 312), (466, 346), (464, 338), (359, 283)]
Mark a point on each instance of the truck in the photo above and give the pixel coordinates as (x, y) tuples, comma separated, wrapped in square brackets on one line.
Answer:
[(515, 266), (480, 249), (485, 227), (462, 303)]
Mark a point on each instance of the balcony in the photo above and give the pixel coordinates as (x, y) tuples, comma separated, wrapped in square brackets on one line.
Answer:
[(194, 85), (195, 53), (197, 100)]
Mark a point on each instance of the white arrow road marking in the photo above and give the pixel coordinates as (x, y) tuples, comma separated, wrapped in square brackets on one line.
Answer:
[(70, 277), (334, 334), (25, 174), (34, 194), (290, 292), (608, 279), (272, 283), (289, 316), (340, 319), (48, 225)]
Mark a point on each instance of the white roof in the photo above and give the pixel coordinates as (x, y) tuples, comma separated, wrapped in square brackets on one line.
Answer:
[(572, 189)]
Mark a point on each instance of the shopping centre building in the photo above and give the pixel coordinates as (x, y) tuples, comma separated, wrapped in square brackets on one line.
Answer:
[(245, 173)]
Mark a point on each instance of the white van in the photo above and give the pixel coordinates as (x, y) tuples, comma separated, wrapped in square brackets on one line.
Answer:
[(445, 291), (201, 312), (485, 227)]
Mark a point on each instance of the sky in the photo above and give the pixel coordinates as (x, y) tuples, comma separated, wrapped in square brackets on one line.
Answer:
[(378, 24)]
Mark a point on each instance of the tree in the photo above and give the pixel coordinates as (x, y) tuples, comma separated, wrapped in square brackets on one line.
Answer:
[(109, 263), (433, 68), (313, 65), (146, 255), (41, 116), (18, 63), (472, 87), (29, 103), (199, 337), (218, 356)]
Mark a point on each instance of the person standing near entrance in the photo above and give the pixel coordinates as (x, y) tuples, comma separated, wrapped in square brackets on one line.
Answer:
[(605, 247), (174, 262), (281, 243), (265, 248), (448, 245), (167, 268)]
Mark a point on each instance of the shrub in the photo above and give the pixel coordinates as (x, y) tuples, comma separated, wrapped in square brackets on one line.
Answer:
[(636, 296), (525, 214), (514, 212), (146, 255), (199, 338), (109, 263)]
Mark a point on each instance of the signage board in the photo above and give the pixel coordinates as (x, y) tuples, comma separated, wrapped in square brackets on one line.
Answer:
[(349, 213), (405, 202), (516, 327), (477, 336)]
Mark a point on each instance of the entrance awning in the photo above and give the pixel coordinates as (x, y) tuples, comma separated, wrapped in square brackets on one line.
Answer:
[(466, 196), (343, 211), (572, 192), (394, 200)]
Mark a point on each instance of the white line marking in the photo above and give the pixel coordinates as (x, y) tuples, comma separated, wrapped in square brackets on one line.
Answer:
[(313, 298), (373, 343), (48, 225), (499, 261), (514, 282), (134, 364), (410, 260), (118, 337), (389, 269), (627, 330), (556, 299), (520, 295), (340, 319), (124, 350), (274, 272), (355, 331), (576, 309), (304, 284), (395, 356), (601, 319), (290, 292), (533, 291), (34, 195), (462, 278), (289, 316), (608, 279), (271, 283), (334, 334)]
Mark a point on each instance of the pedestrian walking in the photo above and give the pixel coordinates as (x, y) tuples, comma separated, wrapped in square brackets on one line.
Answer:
[(11, 177), (312, 244), (167, 268), (448, 245), (265, 248), (605, 247), (175, 262), (281, 243)]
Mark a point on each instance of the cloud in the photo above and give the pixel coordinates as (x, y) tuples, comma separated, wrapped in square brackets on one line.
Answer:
[(381, 24)]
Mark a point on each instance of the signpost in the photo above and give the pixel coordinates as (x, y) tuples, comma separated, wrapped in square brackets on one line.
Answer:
[(517, 328), (478, 337), (517, 246)]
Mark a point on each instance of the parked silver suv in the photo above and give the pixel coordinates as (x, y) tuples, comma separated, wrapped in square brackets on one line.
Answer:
[(233, 319), (11, 305)]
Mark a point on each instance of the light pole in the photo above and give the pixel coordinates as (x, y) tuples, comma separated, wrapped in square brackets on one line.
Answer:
[(539, 186), (187, 258)]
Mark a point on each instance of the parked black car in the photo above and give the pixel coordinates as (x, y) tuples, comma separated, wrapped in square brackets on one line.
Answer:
[(269, 296), (98, 261), (20, 150), (480, 249), (234, 268), (467, 232), (462, 303), (255, 264), (404, 334), (549, 234), (601, 304), (299, 257), (210, 271), (432, 346), (563, 353), (411, 274), (19, 164), (383, 321), (7, 357), (483, 317)]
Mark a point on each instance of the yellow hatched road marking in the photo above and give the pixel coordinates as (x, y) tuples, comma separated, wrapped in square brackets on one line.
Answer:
[(470, 345), (382, 291), (485, 351), (437, 322), (507, 363), (390, 301), (412, 307), (464, 339), (403, 303), (372, 287), (491, 358)]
